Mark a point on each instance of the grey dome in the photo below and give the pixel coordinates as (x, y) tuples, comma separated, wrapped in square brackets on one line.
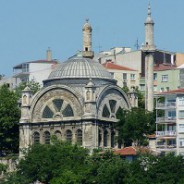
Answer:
[(80, 68)]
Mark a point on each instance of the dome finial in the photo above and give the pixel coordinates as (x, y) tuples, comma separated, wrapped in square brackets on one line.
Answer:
[(87, 20)]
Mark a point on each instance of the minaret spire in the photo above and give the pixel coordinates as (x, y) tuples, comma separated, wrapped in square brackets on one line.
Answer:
[(149, 49), (149, 9), (87, 40)]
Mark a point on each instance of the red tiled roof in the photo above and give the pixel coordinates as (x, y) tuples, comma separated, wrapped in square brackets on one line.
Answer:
[(110, 65), (162, 67), (132, 151), (177, 91), (126, 151), (152, 136)]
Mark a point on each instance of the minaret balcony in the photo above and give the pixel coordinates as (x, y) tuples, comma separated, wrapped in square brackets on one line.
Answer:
[(88, 54)]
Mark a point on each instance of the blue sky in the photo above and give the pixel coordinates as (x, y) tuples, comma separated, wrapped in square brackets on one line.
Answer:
[(29, 27)]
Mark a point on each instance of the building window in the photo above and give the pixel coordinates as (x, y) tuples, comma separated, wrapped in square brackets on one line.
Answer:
[(164, 78), (112, 74), (47, 137), (161, 89), (106, 112), (181, 128), (167, 88), (142, 87), (69, 136), (79, 137), (99, 138), (36, 138), (171, 114), (155, 76), (181, 142), (181, 101), (47, 113), (105, 138), (132, 76), (155, 88), (68, 111), (58, 134), (124, 76), (181, 114), (112, 139)]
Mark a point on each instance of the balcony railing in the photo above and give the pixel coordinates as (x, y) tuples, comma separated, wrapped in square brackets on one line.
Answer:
[(166, 106), (163, 146), (165, 133), (165, 119)]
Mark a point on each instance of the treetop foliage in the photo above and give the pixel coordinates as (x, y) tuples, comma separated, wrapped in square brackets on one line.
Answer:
[(63, 163), (9, 118)]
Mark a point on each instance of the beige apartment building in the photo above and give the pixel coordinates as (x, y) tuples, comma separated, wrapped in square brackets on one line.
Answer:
[(125, 76)]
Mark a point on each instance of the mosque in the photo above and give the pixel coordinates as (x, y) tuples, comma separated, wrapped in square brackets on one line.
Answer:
[(78, 103)]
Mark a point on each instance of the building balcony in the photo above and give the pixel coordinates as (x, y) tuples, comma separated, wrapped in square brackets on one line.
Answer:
[(164, 120), (163, 146), (171, 133), (171, 105)]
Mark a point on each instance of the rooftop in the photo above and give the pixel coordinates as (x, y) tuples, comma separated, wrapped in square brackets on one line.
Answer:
[(177, 91), (113, 66), (162, 67)]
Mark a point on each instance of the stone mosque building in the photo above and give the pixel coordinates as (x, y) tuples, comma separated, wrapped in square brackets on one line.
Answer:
[(78, 103)]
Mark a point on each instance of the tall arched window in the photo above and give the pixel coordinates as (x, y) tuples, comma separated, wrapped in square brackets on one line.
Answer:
[(47, 137), (79, 137), (112, 139), (58, 134), (36, 138), (105, 138), (69, 136), (99, 138)]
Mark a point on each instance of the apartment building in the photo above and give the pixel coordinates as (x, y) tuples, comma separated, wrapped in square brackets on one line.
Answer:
[(170, 122), (126, 77), (37, 70)]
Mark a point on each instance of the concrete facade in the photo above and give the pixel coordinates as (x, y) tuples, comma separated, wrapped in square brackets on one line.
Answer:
[(38, 70), (170, 122)]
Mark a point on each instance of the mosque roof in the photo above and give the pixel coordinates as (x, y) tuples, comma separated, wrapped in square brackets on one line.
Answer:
[(80, 67)]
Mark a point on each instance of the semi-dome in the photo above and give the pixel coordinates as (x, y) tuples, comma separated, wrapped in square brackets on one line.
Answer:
[(80, 68)]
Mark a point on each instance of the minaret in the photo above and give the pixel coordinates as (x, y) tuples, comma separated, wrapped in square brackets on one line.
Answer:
[(49, 54), (87, 40), (149, 49)]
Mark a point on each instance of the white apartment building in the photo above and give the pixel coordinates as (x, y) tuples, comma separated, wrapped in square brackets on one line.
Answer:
[(170, 122), (38, 70)]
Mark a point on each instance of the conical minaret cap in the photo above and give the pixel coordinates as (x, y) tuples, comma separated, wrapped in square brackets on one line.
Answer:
[(149, 19), (87, 26)]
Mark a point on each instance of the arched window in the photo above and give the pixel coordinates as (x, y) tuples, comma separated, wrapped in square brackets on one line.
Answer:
[(57, 108), (105, 138), (36, 138), (79, 137), (47, 137), (112, 139), (69, 136), (58, 134), (99, 138)]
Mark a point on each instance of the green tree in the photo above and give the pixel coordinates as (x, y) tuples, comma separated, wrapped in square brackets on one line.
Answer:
[(34, 86), (134, 125), (52, 163), (9, 118)]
